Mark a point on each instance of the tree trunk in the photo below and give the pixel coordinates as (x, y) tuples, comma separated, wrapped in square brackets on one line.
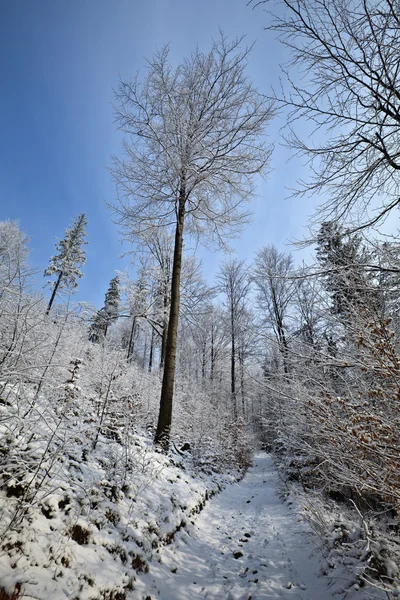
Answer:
[(212, 358), (233, 358), (241, 363), (203, 361), (151, 351), (283, 345), (144, 351), (167, 390), (164, 341), (53, 295), (131, 339)]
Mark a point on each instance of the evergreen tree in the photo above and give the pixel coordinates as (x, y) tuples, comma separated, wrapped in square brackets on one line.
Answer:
[(98, 326), (343, 258), (385, 263), (66, 264), (106, 315), (355, 295), (112, 299)]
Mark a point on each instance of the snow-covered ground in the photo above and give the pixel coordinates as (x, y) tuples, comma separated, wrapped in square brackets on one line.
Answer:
[(246, 544), (80, 523), (125, 522)]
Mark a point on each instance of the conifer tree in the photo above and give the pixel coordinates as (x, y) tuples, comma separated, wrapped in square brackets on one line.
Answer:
[(66, 264), (107, 314), (111, 303), (343, 258), (98, 326)]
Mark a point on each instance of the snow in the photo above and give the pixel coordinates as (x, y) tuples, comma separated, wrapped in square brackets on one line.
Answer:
[(113, 521), (98, 517), (245, 544)]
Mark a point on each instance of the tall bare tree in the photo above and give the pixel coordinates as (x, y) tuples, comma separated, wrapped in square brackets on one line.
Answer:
[(271, 274), (194, 144), (234, 282)]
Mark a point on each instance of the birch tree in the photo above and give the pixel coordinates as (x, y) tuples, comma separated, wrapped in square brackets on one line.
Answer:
[(194, 143)]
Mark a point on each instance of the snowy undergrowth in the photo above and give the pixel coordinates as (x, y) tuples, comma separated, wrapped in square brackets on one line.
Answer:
[(83, 508), (362, 540)]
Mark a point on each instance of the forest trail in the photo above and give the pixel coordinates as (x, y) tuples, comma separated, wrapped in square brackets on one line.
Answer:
[(246, 544)]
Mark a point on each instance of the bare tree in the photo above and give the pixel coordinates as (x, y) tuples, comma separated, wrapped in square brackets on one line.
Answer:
[(194, 144), (234, 283), (310, 311), (345, 79), (160, 245), (16, 303), (211, 338), (13, 257), (271, 274)]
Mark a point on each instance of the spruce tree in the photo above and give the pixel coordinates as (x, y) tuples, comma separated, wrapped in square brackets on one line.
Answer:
[(98, 327), (342, 256), (107, 314), (112, 299), (66, 264)]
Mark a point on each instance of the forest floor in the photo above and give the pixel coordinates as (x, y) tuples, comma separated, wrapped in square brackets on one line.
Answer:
[(248, 544)]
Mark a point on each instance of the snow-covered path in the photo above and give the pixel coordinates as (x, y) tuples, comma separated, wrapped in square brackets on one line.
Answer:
[(245, 545)]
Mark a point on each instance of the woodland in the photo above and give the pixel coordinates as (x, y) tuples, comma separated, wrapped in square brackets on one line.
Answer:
[(132, 415)]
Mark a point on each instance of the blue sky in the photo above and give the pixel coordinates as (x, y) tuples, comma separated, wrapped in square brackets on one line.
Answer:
[(60, 63)]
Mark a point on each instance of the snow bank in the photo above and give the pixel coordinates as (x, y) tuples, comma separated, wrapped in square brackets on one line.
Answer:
[(82, 512)]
